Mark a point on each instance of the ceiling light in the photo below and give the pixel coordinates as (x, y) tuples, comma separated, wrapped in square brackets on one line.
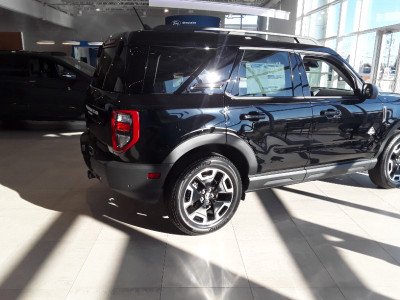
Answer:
[(166, 10), (97, 9), (45, 42), (73, 43), (95, 43), (230, 16), (190, 11)]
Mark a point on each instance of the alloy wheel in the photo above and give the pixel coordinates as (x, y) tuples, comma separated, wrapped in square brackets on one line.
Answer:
[(208, 196)]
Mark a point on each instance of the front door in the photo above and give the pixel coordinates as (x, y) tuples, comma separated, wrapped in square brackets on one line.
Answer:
[(344, 124)]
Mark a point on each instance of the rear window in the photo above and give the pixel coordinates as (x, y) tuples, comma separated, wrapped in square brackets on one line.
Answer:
[(121, 69), (14, 65)]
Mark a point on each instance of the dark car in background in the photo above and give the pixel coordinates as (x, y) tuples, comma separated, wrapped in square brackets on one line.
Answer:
[(42, 86)]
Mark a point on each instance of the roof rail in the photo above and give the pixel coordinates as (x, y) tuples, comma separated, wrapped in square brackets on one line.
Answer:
[(296, 38)]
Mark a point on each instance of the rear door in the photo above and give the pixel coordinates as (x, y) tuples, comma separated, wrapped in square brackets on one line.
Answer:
[(14, 75), (53, 90), (266, 108), (344, 124)]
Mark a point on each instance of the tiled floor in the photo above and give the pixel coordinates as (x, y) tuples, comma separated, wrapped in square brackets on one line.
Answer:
[(63, 236)]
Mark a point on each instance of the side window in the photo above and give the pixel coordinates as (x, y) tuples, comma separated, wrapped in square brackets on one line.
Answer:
[(326, 79), (172, 69), (14, 65), (42, 68), (64, 72), (265, 73)]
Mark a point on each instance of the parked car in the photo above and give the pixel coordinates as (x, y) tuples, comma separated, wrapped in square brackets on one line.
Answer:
[(42, 86), (200, 118)]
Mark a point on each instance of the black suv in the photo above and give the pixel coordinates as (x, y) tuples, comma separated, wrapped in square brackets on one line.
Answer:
[(42, 85), (199, 118)]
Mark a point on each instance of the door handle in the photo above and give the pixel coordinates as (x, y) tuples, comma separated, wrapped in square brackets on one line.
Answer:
[(252, 116), (331, 113)]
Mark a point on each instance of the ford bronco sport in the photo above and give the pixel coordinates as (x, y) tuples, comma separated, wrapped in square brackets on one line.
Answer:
[(200, 117)]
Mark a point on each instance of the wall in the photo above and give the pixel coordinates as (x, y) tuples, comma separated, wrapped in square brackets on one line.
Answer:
[(35, 29)]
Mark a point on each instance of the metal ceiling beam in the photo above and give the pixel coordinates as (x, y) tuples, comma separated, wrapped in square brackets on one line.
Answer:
[(38, 10)]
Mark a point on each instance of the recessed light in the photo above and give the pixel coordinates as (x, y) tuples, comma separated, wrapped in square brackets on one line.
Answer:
[(166, 10), (98, 9), (45, 42), (73, 43)]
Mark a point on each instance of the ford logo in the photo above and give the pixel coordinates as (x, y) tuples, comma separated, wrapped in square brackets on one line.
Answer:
[(176, 23)]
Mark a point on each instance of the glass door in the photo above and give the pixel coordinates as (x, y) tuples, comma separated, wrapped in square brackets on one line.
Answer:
[(388, 67)]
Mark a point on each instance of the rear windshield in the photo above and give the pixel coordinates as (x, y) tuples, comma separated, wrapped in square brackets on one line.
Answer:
[(121, 69)]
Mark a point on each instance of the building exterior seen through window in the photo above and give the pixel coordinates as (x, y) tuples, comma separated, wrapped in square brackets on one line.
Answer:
[(364, 32)]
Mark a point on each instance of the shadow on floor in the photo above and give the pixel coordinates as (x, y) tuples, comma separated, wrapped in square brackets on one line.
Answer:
[(143, 252)]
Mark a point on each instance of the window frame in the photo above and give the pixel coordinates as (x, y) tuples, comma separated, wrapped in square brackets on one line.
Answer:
[(344, 68)]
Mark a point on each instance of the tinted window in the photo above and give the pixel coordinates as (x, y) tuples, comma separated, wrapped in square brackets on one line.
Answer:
[(14, 65), (264, 73), (103, 65), (136, 69), (121, 69), (172, 69)]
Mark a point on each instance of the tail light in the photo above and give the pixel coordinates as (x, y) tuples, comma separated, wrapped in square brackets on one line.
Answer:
[(125, 129)]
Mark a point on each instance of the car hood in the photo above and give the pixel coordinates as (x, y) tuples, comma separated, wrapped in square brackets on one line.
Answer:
[(389, 97)]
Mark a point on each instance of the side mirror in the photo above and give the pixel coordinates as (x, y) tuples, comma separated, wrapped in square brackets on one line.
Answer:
[(69, 76), (369, 91)]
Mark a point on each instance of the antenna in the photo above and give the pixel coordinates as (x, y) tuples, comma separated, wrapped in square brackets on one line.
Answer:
[(145, 26)]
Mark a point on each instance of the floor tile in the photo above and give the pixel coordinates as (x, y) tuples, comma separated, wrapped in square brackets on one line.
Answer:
[(206, 293), (298, 294), (278, 263), (115, 294)]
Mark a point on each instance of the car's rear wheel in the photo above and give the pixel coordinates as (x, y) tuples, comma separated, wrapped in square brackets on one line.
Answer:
[(205, 196), (386, 173)]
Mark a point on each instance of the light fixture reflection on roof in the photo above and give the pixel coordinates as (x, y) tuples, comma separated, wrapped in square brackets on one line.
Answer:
[(45, 42), (73, 43)]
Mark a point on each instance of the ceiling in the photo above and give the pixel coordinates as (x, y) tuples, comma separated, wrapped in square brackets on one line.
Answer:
[(85, 7)]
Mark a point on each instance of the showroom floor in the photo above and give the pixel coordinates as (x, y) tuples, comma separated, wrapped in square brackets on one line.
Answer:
[(63, 236)]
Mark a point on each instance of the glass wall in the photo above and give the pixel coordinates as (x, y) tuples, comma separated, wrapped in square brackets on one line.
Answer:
[(366, 33), (245, 22)]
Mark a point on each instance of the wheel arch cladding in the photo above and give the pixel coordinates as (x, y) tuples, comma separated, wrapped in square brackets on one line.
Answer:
[(233, 148)]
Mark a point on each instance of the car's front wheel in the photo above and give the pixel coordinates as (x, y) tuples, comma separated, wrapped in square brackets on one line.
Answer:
[(205, 196), (386, 173)]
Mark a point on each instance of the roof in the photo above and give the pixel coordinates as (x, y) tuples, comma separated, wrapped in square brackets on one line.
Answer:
[(214, 38)]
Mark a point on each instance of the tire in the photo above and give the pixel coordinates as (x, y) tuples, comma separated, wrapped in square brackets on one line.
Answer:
[(205, 196), (386, 173)]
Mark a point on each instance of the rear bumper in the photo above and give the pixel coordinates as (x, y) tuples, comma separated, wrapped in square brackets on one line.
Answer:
[(130, 179)]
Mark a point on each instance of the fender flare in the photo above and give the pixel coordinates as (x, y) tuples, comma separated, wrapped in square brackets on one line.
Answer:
[(215, 139), (388, 135)]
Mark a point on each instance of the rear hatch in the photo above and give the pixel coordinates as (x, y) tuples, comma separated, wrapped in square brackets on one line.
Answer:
[(110, 80)]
